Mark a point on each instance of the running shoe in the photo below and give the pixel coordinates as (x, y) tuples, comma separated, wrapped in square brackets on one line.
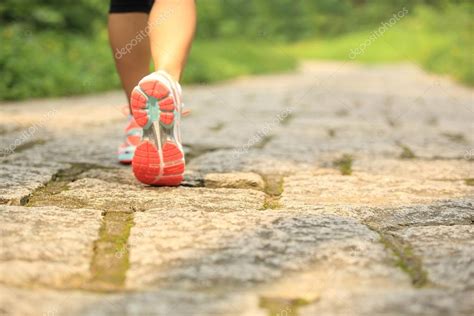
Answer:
[(133, 136), (157, 107)]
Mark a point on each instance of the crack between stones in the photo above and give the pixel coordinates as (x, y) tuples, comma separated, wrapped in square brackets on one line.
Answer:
[(407, 261), (273, 189), (110, 260), (407, 152), (47, 194), (276, 306), (457, 138), (344, 164)]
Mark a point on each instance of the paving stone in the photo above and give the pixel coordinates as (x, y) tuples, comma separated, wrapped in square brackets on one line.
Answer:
[(47, 246), (33, 302), (225, 112), (447, 253), (305, 140), (234, 260), (329, 187), (447, 170), (114, 196), (238, 160), (242, 180), (22, 173), (9, 127), (450, 212), (436, 144), (66, 114), (197, 248), (216, 251), (22, 139), (173, 302), (19, 181), (121, 174), (422, 302), (76, 147)]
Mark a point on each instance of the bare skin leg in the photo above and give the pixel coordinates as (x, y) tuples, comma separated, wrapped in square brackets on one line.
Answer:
[(172, 26), (131, 51)]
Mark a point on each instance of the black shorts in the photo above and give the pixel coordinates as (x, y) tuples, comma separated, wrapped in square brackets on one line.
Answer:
[(127, 6)]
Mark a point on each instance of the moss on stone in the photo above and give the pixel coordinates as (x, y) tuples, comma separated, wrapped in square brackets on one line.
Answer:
[(406, 153), (277, 306), (469, 181), (344, 164), (110, 261), (273, 189), (406, 259), (455, 137), (271, 202), (49, 194)]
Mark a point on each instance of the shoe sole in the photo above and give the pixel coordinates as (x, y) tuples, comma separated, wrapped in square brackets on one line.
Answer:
[(159, 158)]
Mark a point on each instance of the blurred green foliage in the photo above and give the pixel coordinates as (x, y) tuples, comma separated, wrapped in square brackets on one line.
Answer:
[(79, 16), (57, 47), (440, 41), (291, 19), (219, 60)]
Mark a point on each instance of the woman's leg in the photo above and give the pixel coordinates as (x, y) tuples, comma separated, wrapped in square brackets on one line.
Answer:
[(128, 20), (156, 103), (131, 50), (172, 25)]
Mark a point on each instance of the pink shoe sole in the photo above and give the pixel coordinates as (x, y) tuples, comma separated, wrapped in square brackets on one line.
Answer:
[(159, 158)]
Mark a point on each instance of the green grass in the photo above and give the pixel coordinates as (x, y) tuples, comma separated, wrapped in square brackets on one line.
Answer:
[(46, 65), (224, 59), (441, 42)]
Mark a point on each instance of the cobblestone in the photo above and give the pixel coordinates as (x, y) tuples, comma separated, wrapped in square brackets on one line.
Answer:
[(341, 189)]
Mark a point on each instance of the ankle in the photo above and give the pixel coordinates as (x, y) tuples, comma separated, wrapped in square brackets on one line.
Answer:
[(173, 72)]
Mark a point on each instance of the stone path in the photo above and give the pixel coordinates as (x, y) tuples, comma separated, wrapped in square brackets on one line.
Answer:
[(337, 190)]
